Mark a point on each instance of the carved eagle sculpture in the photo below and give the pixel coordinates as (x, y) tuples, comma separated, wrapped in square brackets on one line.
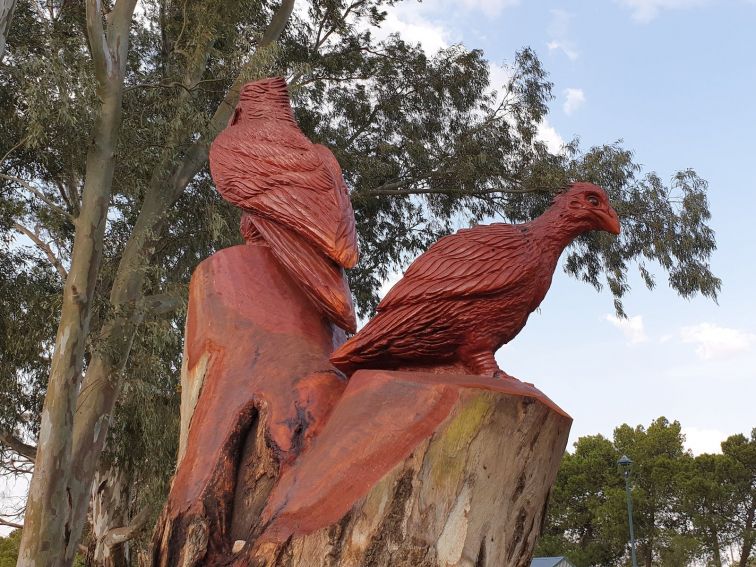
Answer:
[(293, 195), (472, 292)]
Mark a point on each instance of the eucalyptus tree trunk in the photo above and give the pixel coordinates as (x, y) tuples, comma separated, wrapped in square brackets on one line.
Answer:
[(47, 525), (6, 14), (104, 376), (109, 510)]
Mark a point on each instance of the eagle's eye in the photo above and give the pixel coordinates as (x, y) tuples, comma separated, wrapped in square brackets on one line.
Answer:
[(593, 200)]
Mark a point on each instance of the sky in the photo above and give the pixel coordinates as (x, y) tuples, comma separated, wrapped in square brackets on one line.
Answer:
[(673, 79)]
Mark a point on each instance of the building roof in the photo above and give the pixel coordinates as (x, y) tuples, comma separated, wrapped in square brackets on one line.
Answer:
[(560, 561)]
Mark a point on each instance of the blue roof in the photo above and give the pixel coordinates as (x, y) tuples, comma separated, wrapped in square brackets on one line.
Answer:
[(547, 561)]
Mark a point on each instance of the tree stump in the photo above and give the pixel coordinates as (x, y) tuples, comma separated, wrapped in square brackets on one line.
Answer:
[(255, 377), (282, 463), (418, 469)]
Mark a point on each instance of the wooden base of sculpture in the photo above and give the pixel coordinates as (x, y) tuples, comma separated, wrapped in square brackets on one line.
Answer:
[(416, 470), (255, 380), (280, 465)]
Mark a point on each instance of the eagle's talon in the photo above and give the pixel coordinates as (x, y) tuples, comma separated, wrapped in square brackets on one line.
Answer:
[(501, 375)]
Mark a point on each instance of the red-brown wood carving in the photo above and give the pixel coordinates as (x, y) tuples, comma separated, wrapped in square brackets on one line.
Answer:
[(473, 291), (262, 320), (341, 467), (257, 350), (293, 195), (282, 460)]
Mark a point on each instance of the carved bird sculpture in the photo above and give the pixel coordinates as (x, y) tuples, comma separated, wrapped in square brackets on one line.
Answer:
[(472, 292), (293, 195)]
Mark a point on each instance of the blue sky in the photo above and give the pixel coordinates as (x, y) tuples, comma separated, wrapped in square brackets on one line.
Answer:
[(674, 79)]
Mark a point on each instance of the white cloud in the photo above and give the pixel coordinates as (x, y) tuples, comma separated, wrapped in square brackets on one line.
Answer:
[(431, 23), (699, 440), (573, 99), (644, 11), (714, 341), (559, 34), (566, 48), (549, 136), (500, 75), (489, 7), (632, 328), (415, 28)]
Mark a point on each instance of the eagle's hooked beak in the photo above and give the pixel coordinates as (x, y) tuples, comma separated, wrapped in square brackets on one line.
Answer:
[(609, 220)]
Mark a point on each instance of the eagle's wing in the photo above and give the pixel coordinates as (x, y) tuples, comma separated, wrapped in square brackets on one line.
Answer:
[(346, 238), (418, 318), (320, 278), (275, 172), (473, 262)]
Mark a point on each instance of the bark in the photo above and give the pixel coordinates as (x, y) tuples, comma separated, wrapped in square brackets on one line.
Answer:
[(6, 15), (104, 376), (749, 534), (48, 527), (717, 555), (418, 470), (109, 508), (15, 444)]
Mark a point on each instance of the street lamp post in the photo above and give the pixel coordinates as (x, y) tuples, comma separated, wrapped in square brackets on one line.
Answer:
[(625, 463)]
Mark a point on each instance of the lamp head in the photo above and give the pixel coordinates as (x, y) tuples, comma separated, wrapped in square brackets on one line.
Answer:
[(624, 464)]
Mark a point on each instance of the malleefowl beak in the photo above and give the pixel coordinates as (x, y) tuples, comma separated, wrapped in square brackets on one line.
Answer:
[(609, 220)]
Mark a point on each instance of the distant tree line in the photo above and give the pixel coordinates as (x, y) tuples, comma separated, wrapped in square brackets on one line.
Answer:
[(687, 510)]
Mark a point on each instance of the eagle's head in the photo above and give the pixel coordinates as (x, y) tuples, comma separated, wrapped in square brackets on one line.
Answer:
[(266, 99), (587, 206)]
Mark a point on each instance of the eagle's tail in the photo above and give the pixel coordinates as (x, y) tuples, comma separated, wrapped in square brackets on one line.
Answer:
[(319, 277)]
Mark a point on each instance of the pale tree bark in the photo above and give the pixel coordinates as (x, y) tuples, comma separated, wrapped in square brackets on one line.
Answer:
[(6, 15), (112, 528), (47, 525), (109, 508), (103, 379)]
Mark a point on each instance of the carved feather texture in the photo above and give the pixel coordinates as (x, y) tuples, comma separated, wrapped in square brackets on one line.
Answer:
[(473, 291), (293, 194), (264, 164), (321, 278)]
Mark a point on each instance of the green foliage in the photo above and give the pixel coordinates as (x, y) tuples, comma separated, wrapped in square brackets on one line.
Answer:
[(9, 549), (586, 508), (685, 509)]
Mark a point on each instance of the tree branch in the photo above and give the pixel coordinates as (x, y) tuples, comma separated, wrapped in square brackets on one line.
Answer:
[(11, 524), (107, 69), (169, 85), (126, 533), (42, 245), (277, 23), (39, 194), (158, 304), (15, 444), (394, 190), (101, 56)]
